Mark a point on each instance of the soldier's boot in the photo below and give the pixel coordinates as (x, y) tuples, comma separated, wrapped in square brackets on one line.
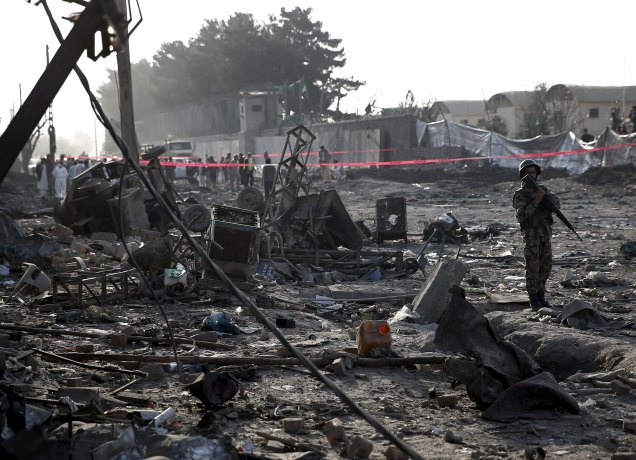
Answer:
[(542, 301), (535, 304)]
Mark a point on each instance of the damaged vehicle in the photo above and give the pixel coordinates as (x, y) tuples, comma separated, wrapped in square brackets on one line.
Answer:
[(99, 201)]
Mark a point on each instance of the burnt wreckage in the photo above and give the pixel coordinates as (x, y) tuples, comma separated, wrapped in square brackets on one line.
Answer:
[(296, 223), (104, 198), (298, 233), (123, 197)]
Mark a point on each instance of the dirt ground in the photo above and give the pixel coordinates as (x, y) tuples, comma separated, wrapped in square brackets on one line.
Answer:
[(601, 204)]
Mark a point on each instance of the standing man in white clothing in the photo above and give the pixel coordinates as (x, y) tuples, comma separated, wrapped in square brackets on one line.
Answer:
[(60, 173)]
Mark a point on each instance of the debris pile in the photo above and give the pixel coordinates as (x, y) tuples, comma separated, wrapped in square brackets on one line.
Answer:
[(120, 337)]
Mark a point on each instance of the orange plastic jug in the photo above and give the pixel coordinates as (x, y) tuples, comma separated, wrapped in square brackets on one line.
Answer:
[(372, 334)]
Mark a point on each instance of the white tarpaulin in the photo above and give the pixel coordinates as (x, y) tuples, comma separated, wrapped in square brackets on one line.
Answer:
[(575, 156)]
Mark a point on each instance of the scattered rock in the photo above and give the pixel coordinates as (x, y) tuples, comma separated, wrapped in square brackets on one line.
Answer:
[(292, 425), (359, 448), (334, 429), (447, 400)]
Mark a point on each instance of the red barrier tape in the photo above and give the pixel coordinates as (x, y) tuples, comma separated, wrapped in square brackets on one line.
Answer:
[(398, 162), (335, 152), (257, 155)]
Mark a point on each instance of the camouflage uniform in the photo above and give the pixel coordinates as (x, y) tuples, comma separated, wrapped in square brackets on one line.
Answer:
[(536, 226)]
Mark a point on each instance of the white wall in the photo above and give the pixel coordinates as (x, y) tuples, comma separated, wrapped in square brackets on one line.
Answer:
[(272, 144), (513, 118)]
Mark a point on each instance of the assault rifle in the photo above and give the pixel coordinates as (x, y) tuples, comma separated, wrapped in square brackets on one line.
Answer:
[(531, 184)]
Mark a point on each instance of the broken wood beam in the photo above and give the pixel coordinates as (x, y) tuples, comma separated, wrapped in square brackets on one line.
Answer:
[(88, 366), (291, 442), (426, 358), (124, 387), (131, 338)]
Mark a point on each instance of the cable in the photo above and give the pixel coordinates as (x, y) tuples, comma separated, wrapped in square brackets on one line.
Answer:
[(101, 116), (144, 280), (225, 279)]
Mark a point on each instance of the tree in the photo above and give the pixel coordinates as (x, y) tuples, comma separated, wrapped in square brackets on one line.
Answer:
[(171, 76), (564, 110), (29, 147), (144, 83), (537, 118), (242, 54), (316, 54), (550, 112), (228, 56), (425, 111), (336, 89), (494, 123)]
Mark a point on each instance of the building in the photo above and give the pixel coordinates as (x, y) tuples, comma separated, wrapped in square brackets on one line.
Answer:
[(255, 123), (574, 107), (510, 106), (464, 112), (259, 110), (589, 107)]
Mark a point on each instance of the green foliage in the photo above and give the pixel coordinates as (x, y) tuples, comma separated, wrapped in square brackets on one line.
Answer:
[(425, 111), (537, 116), (495, 123), (240, 54), (549, 113)]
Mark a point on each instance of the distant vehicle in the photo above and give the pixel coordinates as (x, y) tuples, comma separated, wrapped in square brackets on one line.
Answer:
[(182, 171), (179, 149)]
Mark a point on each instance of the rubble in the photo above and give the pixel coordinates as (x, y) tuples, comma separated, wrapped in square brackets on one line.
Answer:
[(16, 247), (96, 340)]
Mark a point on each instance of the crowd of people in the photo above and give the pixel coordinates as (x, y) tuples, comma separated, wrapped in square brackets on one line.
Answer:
[(237, 171), (234, 176), (54, 177), (234, 171)]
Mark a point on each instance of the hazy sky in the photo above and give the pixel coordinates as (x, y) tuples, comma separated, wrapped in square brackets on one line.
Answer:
[(443, 50)]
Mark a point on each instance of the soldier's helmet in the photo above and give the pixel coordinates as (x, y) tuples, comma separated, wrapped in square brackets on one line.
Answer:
[(525, 164)]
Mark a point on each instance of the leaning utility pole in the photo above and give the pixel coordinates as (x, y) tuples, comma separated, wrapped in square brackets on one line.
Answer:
[(51, 129), (98, 16), (126, 109)]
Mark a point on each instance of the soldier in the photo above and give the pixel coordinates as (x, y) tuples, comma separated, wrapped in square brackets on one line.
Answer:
[(535, 218), (324, 158)]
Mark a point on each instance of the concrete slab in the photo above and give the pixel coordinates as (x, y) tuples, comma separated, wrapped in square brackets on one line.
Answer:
[(433, 297)]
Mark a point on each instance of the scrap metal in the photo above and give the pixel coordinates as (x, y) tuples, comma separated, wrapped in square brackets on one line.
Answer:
[(290, 175), (85, 279)]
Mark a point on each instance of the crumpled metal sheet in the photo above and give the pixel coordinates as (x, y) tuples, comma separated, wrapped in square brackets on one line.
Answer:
[(16, 247), (535, 397), (463, 329), (495, 363), (580, 314), (16, 415)]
